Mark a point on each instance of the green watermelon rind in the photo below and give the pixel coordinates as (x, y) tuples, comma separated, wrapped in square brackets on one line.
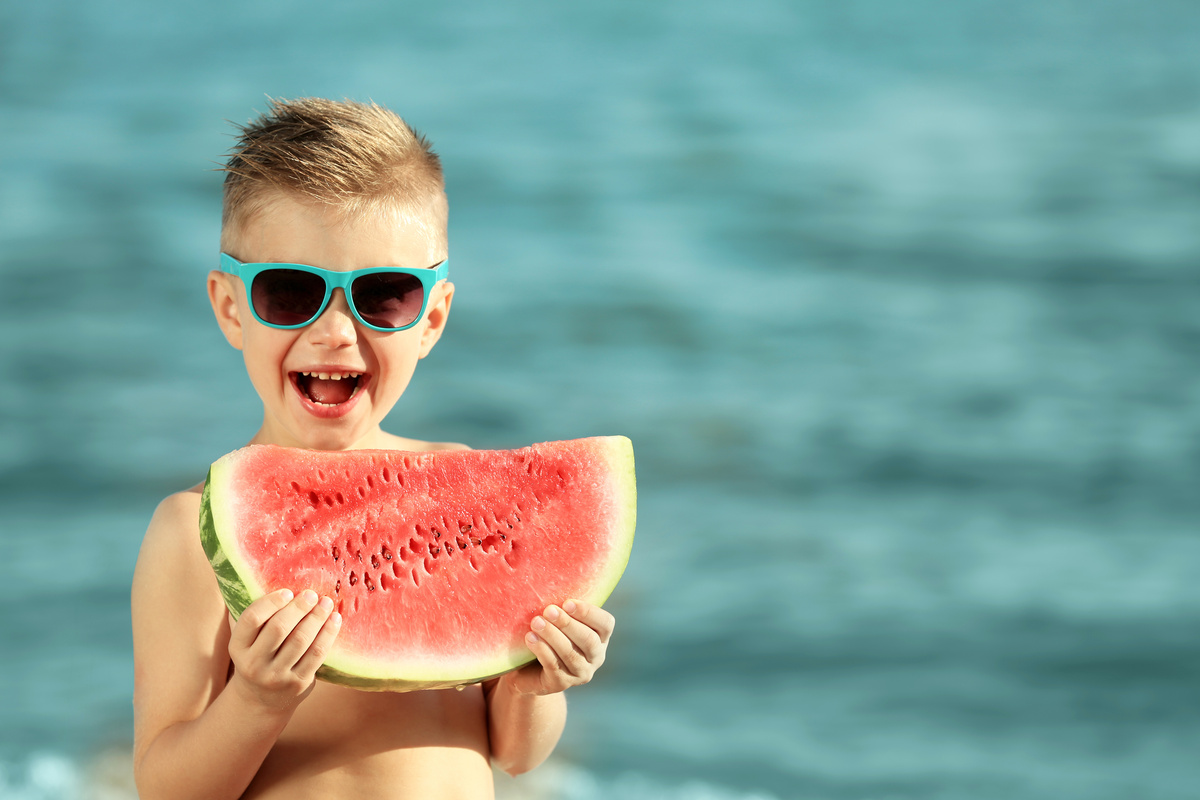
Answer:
[(233, 586), (238, 590)]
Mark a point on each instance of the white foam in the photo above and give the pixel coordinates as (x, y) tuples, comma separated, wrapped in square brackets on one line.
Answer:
[(45, 776), (53, 776)]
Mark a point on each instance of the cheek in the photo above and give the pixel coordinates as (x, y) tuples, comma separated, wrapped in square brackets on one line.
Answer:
[(398, 360), (263, 351)]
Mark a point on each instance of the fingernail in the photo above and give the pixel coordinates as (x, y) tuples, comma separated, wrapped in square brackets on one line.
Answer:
[(326, 603), (569, 606), (538, 623), (531, 638), (287, 595), (335, 618), (310, 596), (551, 613)]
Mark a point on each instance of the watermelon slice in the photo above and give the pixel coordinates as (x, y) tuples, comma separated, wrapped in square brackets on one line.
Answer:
[(437, 561)]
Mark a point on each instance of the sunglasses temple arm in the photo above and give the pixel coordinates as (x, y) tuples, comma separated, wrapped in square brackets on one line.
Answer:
[(231, 265)]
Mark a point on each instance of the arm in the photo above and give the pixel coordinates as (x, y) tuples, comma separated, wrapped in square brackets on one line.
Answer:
[(526, 707), (195, 734)]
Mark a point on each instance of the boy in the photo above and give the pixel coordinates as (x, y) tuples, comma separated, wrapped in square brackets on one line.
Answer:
[(226, 709)]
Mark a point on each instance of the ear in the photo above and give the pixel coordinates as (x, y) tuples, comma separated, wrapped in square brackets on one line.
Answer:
[(436, 316), (223, 295)]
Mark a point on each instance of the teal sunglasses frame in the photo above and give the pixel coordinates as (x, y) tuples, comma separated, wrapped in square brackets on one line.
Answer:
[(428, 276)]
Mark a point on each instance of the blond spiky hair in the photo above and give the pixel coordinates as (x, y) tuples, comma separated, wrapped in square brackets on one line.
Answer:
[(356, 158)]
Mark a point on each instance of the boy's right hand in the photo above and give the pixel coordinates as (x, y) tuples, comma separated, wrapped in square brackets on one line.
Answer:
[(278, 643)]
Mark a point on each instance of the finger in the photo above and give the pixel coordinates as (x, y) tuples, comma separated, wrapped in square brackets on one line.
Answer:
[(315, 655), (548, 659), (593, 616), (249, 624), (279, 627), (304, 634), (572, 658), (584, 638)]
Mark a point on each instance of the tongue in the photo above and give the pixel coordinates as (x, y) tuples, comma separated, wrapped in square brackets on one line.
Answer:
[(330, 392)]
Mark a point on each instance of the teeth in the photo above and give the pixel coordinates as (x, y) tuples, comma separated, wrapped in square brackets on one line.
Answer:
[(336, 376)]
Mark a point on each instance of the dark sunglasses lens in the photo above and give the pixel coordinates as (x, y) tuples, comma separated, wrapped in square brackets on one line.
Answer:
[(388, 299), (287, 296)]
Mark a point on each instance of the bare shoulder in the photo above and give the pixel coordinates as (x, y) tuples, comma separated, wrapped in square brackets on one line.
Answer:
[(171, 561), (176, 522), (179, 508)]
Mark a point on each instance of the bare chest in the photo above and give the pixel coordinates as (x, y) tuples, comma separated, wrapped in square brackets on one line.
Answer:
[(346, 743)]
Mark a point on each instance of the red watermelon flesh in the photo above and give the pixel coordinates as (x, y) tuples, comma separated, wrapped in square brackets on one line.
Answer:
[(437, 561)]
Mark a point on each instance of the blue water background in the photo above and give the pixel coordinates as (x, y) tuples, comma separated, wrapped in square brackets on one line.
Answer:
[(899, 303)]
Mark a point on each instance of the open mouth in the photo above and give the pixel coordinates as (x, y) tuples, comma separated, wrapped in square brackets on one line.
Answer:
[(328, 388)]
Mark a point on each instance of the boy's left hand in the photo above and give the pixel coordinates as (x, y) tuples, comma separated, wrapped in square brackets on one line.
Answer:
[(569, 642)]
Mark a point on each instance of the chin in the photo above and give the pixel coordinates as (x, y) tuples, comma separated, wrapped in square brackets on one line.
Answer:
[(340, 439)]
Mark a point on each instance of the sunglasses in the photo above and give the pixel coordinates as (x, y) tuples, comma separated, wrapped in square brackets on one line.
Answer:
[(293, 295)]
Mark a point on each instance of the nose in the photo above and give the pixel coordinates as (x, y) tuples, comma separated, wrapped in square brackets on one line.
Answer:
[(335, 327)]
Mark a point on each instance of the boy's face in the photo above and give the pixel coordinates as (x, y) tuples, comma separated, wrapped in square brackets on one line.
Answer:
[(305, 410)]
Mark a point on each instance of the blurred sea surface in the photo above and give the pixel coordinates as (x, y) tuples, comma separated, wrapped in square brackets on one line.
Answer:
[(899, 303)]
